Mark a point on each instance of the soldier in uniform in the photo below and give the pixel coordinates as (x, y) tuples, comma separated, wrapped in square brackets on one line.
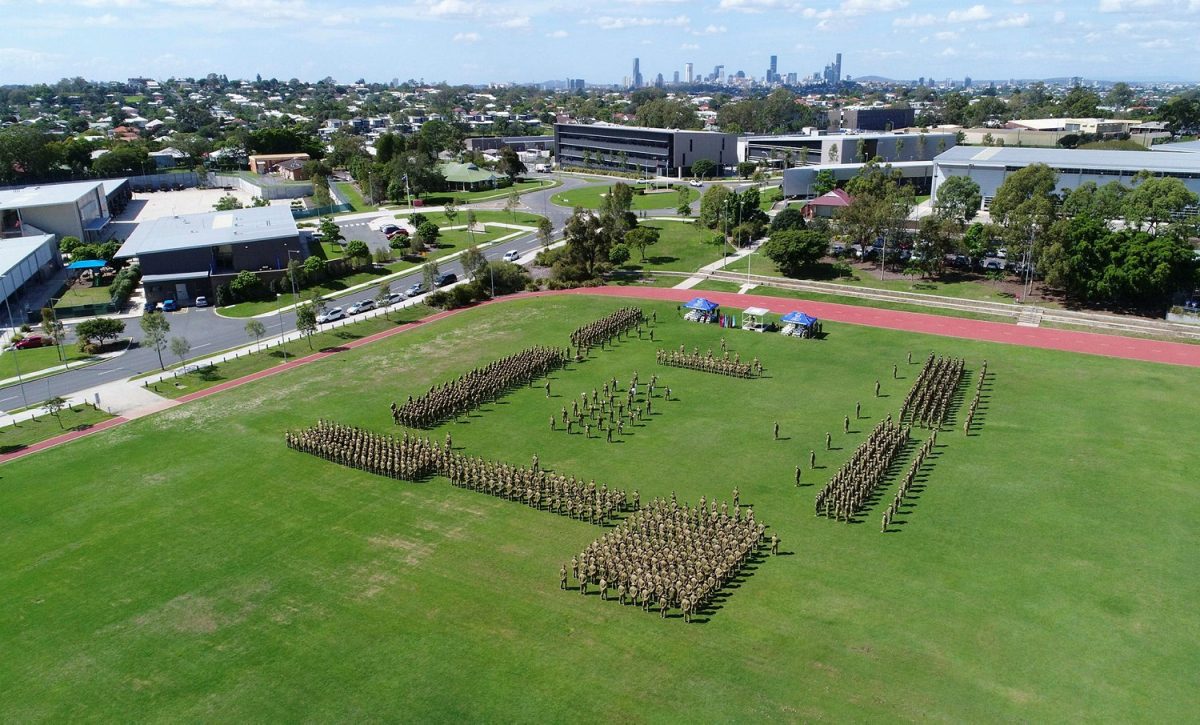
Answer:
[(774, 545), (562, 577), (812, 462), (776, 430), (846, 425), (876, 388), (797, 475), (828, 441)]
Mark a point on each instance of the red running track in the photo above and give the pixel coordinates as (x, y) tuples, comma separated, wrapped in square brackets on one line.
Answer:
[(1089, 343)]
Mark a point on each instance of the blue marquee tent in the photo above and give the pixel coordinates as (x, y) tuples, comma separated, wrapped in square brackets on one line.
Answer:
[(799, 318), (701, 304), (87, 264)]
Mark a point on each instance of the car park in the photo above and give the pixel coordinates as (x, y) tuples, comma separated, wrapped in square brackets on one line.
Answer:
[(330, 315), (445, 278), (202, 301), (361, 306), (512, 255)]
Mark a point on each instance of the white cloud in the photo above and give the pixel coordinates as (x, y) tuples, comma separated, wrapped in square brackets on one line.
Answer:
[(757, 6), (915, 21), (451, 8), (710, 30), (863, 7), (466, 37), (949, 52), (1157, 44), (608, 22), (946, 35), (975, 13), (557, 34), (1060, 17), (1129, 6), (689, 46), (1015, 21), (521, 21)]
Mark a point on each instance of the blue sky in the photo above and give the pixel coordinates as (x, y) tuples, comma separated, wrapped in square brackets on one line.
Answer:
[(534, 40)]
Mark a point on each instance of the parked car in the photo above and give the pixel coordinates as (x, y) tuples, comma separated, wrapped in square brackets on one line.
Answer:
[(445, 278), (31, 341), (416, 289), (331, 314), (361, 306), (991, 263), (150, 307), (202, 301), (388, 229), (696, 183), (395, 297), (512, 255), (169, 306), (396, 233)]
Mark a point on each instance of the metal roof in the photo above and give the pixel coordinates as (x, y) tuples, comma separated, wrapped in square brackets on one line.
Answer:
[(14, 250), (210, 229), (1132, 161), (48, 195), (1192, 147), (156, 278)]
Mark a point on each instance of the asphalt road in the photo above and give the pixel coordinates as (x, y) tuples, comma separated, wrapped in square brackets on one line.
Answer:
[(209, 333)]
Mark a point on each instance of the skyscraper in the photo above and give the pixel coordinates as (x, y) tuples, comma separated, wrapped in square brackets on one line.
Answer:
[(838, 69), (637, 73), (687, 73), (676, 81), (772, 72)]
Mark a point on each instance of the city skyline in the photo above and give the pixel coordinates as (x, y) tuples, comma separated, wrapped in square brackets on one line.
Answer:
[(470, 41)]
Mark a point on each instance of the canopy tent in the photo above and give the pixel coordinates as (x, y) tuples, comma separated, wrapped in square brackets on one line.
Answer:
[(798, 318), (702, 305), (87, 264), (754, 318), (800, 325)]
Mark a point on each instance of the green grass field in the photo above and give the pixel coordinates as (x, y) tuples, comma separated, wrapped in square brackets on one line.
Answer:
[(472, 197), (83, 295), (682, 247), (1045, 572), (39, 358), (27, 432), (354, 196), (591, 197)]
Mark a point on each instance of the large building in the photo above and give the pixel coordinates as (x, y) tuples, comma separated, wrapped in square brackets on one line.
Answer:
[(990, 166), (68, 210), (801, 183), (186, 256), (517, 143), (803, 149), (863, 118), (650, 151), (24, 262)]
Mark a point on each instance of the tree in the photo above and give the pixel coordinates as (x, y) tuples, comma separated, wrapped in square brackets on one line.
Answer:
[(124, 159), (473, 263), (512, 203), (381, 299), (667, 113), (306, 321), (824, 182), (618, 254), (450, 211), (639, 238), (795, 251), (510, 163), (429, 274), (180, 348), (69, 244), (586, 247), (788, 219), (684, 208), (880, 204), (958, 199), (703, 168), (745, 168), (99, 329), (54, 329), (330, 231), (937, 237), (428, 233), (1102, 202), (713, 204), (1024, 204), (358, 253), (255, 329), (321, 196), (228, 202), (154, 333), (314, 268), (54, 407), (1154, 200), (545, 231), (246, 285)]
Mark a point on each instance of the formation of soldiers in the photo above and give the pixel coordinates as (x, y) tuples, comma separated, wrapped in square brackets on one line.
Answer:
[(481, 385), (610, 409), (929, 400), (597, 333), (407, 458), (538, 489), (850, 489), (668, 556), (975, 400), (709, 363), (907, 482), (412, 458)]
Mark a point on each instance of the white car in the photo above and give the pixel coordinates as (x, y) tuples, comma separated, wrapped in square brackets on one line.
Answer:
[(331, 314), (361, 306), (512, 255), (696, 183)]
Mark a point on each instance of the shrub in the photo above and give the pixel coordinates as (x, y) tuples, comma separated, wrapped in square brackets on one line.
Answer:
[(465, 294), (224, 295), (247, 286), (439, 299)]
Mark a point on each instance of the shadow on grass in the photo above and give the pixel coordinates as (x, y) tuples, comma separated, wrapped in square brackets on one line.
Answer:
[(13, 448)]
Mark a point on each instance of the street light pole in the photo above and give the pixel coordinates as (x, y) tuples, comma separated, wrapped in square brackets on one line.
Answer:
[(16, 365)]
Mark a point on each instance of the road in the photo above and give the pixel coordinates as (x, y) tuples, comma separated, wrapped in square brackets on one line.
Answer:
[(210, 333)]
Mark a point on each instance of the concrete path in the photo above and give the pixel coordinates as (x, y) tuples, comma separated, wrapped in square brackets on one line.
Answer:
[(722, 263)]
